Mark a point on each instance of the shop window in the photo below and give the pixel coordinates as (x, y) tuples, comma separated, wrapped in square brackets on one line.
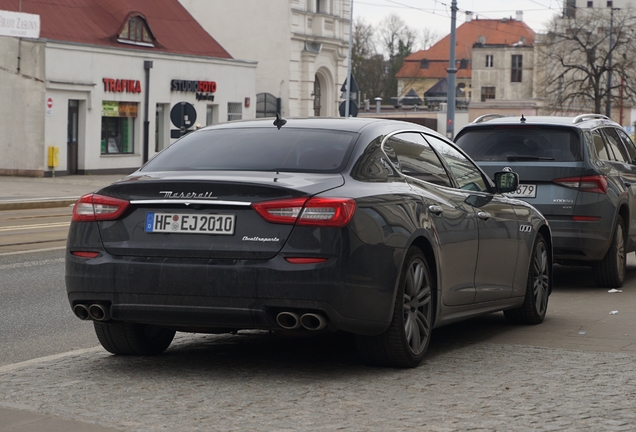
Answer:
[(234, 111), (118, 127), (516, 69), (136, 32), (487, 93)]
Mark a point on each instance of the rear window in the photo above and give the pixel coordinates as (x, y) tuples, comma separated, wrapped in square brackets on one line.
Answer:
[(291, 150), (521, 144)]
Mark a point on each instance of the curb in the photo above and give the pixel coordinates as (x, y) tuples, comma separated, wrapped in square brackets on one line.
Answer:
[(34, 204)]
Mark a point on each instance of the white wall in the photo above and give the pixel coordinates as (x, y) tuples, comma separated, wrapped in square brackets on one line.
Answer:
[(76, 72), (22, 107)]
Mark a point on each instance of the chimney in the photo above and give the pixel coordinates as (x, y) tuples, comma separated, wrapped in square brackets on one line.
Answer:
[(519, 15), (469, 16)]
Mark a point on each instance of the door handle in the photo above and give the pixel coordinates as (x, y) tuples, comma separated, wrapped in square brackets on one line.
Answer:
[(484, 215), (435, 209), (628, 185)]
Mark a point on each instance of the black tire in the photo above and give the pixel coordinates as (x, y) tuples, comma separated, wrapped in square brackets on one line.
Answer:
[(405, 342), (538, 287), (133, 339), (610, 271)]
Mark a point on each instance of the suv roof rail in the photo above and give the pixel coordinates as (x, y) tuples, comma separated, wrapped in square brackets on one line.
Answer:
[(583, 117), (487, 117)]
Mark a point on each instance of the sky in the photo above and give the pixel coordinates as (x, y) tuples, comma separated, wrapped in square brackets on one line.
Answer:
[(435, 14)]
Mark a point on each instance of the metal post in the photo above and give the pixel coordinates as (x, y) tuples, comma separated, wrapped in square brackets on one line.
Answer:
[(608, 104), (452, 71), (147, 67), (348, 94)]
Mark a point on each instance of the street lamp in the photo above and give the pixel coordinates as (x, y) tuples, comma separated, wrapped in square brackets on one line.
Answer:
[(608, 104)]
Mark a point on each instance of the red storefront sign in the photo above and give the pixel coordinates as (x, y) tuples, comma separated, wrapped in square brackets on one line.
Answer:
[(121, 85)]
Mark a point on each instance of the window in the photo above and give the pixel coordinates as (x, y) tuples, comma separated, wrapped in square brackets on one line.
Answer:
[(414, 157), (590, 4), (424, 64), (211, 115), (517, 64), (599, 145), (610, 4), (615, 145), (261, 149), (467, 175), (234, 111), (118, 127), (487, 93), (489, 61), (161, 126), (136, 32), (629, 145)]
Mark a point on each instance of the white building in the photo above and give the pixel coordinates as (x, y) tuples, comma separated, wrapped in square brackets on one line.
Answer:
[(301, 47), (102, 90)]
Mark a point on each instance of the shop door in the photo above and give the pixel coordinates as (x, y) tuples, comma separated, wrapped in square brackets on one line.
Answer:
[(72, 147)]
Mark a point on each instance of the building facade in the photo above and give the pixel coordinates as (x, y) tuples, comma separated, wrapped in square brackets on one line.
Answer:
[(107, 95), (301, 47)]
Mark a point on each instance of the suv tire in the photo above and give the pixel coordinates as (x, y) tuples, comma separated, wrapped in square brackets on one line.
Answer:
[(610, 271)]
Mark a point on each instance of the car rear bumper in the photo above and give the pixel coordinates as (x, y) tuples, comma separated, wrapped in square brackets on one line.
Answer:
[(580, 241), (209, 295)]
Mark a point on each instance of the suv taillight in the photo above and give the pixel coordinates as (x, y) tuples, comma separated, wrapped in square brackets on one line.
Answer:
[(94, 207), (596, 183), (332, 212)]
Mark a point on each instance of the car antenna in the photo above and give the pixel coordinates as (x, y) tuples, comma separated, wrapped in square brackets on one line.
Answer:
[(523, 119), (279, 122)]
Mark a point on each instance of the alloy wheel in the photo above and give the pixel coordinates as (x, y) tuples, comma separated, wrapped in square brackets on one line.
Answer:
[(417, 307)]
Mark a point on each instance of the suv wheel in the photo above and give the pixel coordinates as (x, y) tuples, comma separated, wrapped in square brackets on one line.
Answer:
[(610, 271)]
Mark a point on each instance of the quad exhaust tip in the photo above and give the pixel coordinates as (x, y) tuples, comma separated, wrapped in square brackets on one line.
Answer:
[(81, 311), (293, 321)]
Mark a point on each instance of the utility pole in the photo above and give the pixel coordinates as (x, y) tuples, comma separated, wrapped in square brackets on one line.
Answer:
[(608, 104), (348, 94), (452, 71)]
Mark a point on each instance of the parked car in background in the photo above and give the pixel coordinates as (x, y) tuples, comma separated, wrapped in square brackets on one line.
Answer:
[(380, 228), (579, 172)]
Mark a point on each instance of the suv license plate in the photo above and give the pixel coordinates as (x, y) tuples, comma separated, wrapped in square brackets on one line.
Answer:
[(524, 191), (189, 223)]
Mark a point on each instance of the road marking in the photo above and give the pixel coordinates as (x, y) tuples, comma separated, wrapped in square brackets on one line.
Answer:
[(9, 368), (33, 251), (31, 264), (35, 226)]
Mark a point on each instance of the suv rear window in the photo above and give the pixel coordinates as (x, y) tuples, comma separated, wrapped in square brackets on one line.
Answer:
[(526, 143), (291, 150)]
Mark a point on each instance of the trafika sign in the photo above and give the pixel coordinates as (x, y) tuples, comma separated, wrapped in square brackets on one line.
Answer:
[(121, 85)]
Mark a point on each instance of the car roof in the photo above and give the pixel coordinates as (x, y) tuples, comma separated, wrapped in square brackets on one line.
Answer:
[(584, 121), (352, 124)]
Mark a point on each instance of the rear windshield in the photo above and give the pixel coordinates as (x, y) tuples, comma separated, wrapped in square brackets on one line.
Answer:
[(296, 150), (521, 144)]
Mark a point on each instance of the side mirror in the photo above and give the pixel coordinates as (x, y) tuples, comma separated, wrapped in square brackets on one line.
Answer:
[(506, 181)]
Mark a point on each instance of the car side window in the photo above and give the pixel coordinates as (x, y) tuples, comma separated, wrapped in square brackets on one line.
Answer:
[(615, 144), (629, 144), (466, 173), (415, 158), (599, 146)]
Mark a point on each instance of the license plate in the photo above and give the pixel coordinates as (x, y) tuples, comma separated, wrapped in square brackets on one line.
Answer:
[(524, 191), (189, 223)]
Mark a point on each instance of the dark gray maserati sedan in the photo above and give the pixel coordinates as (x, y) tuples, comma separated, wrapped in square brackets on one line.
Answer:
[(383, 229)]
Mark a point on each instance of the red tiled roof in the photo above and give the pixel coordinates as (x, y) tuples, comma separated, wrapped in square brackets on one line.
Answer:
[(96, 22), (494, 32)]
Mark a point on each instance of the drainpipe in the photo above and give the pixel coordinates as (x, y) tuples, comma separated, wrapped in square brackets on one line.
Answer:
[(147, 67)]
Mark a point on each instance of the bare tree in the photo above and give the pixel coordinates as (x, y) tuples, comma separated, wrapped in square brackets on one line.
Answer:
[(398, 41), (366, 63), (577, 57), (427, 38)]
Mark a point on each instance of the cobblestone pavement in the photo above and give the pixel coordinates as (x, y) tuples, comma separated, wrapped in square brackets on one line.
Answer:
[(254, 381)]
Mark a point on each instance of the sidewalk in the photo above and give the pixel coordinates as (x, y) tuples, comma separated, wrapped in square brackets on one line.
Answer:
[(17, 193)]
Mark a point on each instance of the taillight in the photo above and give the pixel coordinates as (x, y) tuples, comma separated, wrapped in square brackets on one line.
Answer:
[(596, 183), (332, 212), (94, 207), (85, 254), (300, 260)]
